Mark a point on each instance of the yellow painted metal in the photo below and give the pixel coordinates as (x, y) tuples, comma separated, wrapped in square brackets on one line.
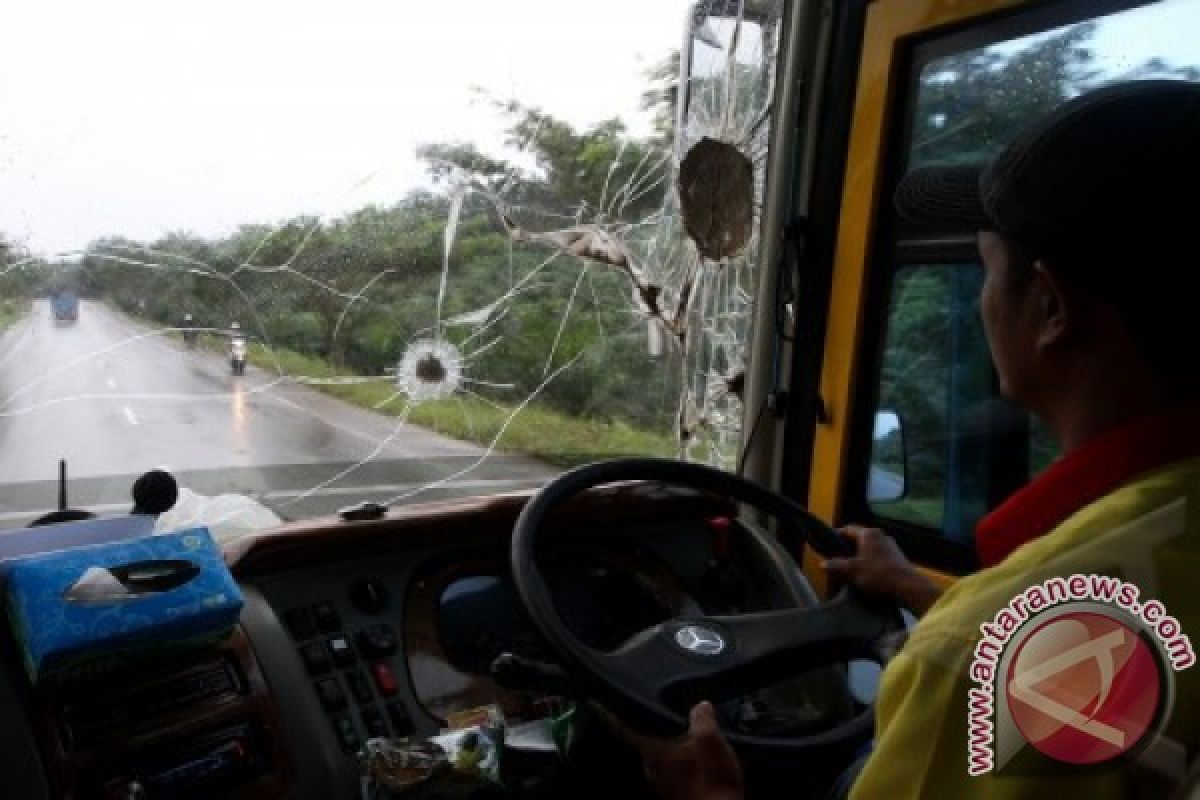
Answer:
[(888, 22)]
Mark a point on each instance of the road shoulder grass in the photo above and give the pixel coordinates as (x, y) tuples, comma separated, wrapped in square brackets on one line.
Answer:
[(12, 311), (543, 433)]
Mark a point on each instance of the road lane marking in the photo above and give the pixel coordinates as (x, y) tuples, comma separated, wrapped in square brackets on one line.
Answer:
[(272, 391), (130, 416)]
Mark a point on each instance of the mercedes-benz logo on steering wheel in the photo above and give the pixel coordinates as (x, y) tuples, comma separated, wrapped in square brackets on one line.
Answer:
[(700, 641)]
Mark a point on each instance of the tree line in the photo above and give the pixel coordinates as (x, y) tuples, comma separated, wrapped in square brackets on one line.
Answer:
[(357, 289)]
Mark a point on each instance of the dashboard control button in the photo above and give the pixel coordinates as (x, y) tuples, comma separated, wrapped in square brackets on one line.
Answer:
[(327, 617), (373, 719), (331, 694), (346, 733), (385, 679), (300, 623), (401, 723), (359, 687), (341, 651), (377, 641), (316, 658), (369, 596)]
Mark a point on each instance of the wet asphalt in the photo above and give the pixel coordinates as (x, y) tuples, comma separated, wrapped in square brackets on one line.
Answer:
[(115, 399)]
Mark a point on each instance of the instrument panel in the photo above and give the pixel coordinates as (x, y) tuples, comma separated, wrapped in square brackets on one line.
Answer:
[(353, 630), (451, 609), (461, 616)]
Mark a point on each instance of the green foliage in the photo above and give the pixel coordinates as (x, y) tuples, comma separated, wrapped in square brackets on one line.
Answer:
[(970, 104), (442, 159), (581, 172), (21, 279), (916, 371), (662, 96), (11, 310)]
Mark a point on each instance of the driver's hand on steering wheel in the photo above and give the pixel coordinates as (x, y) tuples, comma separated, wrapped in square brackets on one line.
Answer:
[(700, 765), (879, 567)]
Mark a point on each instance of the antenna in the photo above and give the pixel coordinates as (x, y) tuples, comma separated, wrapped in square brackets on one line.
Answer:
[(62, 484), (63, 514)]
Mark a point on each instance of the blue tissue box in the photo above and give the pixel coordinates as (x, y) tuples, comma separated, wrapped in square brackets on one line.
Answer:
[(139, 598)]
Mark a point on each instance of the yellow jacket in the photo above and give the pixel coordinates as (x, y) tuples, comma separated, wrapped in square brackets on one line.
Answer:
[(1147, 533)]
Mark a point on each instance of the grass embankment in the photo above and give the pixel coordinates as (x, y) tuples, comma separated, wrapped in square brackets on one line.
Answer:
[(11, 311), (927, 511), (543, 433)]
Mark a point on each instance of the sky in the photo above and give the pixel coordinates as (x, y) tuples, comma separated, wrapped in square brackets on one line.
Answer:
[(141, 117)]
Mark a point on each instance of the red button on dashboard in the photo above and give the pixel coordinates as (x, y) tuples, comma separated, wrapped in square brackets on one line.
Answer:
[(384, 679)]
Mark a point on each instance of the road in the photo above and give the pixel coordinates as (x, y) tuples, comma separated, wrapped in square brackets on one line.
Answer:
[(115, 400)]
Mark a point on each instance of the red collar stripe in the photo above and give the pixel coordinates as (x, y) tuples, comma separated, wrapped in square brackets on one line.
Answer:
[(1098, 467)]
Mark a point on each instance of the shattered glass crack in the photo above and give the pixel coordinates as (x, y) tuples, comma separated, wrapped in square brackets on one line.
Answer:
[(612, 288)]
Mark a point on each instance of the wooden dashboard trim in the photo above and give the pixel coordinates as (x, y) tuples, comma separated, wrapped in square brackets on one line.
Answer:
[(323, 540), (67, 763)]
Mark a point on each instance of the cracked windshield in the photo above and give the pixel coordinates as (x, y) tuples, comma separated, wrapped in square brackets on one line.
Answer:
[(303, 257)]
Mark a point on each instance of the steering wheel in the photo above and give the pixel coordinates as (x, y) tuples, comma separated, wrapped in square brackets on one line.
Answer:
[(653, 678)]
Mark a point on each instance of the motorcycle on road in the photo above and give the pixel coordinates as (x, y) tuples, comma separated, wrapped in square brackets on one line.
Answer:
[(237, 355), (190, 334)]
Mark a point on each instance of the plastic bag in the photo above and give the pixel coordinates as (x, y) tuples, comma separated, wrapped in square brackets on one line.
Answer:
[(451, 764), (227, 516)]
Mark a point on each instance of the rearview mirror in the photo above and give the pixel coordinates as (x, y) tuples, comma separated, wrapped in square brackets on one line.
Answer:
[(724, 36), (888, 476)]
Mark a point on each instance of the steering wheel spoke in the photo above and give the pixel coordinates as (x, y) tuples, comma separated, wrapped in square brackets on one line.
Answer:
[(688, 659), (770, 645), (653, 661)]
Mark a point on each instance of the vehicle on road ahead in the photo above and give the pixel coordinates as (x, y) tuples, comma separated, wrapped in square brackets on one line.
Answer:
[(65, 305), (526, 361)]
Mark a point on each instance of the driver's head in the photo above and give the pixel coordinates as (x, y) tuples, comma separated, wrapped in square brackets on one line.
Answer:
[(1088, 225)]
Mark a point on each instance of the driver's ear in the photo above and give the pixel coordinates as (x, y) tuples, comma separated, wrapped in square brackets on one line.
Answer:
[(1057, 307)]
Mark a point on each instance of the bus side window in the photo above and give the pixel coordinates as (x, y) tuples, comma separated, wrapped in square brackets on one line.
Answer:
[(937, 383), (945, 448)]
